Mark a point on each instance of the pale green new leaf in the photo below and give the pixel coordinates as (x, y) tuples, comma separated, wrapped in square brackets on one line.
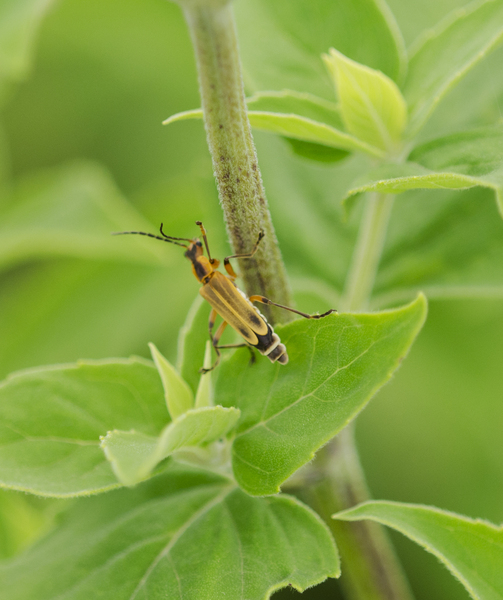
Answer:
[(204, 394), (192, 343), (19, 23), (134, 455), (299, 117), (71, 211), (281, 42), (178, 395), (371, 104), (288, 412), (445, 54), (459, 161), (51, 420), (471, 549), (181, 535)]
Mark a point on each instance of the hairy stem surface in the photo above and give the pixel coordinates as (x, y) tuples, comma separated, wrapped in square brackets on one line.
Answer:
[(233, 153)]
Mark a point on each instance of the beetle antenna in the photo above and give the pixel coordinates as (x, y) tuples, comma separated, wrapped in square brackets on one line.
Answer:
[(170, 237), (156, 237), (203, 233)]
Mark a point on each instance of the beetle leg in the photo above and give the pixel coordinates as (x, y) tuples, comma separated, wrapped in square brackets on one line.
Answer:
[(227, 264), (216, 338), (265, 300)]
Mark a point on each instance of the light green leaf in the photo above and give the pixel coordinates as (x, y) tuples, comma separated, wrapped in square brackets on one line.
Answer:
[(296, 116), (445, 54), (288, 412), (134, 455), (19, 23), (459, 161), (71, 211), (185, 534), (51, 420), (179, 397), (371, 104), (192, 343), (281, 41), (472, 550), (204, 395)]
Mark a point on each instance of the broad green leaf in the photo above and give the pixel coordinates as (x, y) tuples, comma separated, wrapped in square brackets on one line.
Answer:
[(71, 211), (183, 534), (179, 397), (281, 41), (51, 420), (371, 104), (445, 54), (134, 455), (192, 343), (459, 161), (288, 412), (471, 549), (19, 23), (297, 116), (204, 394)]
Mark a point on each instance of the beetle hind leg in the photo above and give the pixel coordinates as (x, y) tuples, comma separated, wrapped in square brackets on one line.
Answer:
[(264, 300)]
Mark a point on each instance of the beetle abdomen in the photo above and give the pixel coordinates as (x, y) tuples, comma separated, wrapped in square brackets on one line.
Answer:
[(270, 345)]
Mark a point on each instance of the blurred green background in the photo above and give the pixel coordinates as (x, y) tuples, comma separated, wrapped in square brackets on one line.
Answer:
[(83, 153)]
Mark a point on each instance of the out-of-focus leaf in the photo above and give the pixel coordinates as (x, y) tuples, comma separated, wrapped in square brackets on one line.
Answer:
[(472, 550), (288, 412), (459, 161), (297, 116), (156, 541), (19, 23), (204, 394), (281, 42), (371, 104), (448, 244), (71, 211), (443, 55), (134, 455), (179, 397), (51, 420), (20, 523)]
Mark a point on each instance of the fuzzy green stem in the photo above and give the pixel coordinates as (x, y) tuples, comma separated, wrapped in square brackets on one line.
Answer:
[(367, 252), (370, 569), (233, 153)]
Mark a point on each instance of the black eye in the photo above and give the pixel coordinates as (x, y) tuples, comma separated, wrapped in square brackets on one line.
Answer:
[(199, 244)]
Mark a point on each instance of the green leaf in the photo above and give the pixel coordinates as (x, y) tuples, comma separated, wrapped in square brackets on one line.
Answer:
[(204, 395), (472, 550), (179, 397), (192, 343), (134, 455), (71, 211), (449, 244), (445, 54), (281, 41), (19, 23), (371, 104), (184, 534), (51, 420), (458, 161), (288, 412), (296, 116)]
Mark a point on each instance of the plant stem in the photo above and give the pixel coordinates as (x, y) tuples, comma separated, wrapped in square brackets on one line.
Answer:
[(367, 254), (230, 141), (370, 569)]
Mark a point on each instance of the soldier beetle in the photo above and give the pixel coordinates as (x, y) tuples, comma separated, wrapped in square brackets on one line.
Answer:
[(228, 301)]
